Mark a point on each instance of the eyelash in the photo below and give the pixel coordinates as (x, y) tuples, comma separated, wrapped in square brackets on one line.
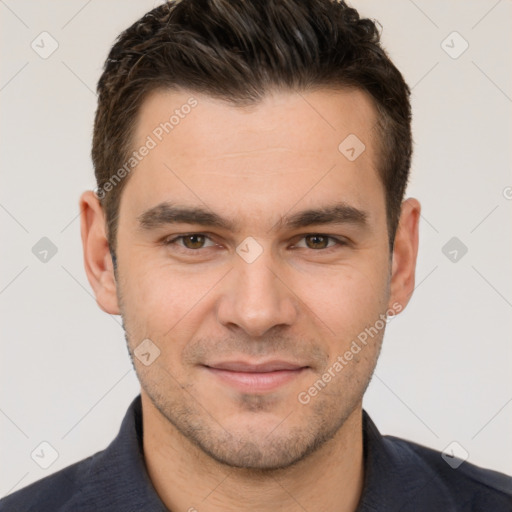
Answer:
[(339, 242)]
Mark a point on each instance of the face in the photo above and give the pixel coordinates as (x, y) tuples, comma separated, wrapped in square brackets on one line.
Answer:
[(253, 254)]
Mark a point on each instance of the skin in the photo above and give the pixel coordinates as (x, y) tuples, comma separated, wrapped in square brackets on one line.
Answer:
[(207, 443)]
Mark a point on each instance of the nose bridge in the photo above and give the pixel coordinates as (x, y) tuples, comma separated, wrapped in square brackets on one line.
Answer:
[(255, 298)]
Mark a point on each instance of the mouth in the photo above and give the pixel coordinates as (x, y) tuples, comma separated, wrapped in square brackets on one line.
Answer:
[(255, 377)]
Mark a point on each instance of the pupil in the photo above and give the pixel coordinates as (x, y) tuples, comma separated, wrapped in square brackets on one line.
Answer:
[(315, 239), (194, 241)]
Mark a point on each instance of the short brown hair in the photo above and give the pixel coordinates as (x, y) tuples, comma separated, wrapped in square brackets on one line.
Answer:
[(238, 50)]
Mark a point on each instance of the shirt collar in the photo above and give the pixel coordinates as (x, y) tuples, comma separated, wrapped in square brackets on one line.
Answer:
[(117, 478), (396, 478)]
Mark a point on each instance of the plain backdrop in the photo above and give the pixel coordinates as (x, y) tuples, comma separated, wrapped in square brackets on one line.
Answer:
[(444, 373)]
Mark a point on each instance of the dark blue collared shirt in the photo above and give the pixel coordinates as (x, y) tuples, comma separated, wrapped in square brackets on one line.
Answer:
[(399, 476)]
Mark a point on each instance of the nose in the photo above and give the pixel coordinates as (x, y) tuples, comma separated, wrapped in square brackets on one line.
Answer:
[(256, 297)]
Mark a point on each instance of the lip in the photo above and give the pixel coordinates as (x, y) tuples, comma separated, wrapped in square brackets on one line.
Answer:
[(256, 377)]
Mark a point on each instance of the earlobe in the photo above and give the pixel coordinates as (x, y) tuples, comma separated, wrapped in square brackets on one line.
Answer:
[(96, 251), (405, 253)]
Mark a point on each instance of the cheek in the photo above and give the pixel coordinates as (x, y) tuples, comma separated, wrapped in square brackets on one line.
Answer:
[(161, 301), (345, 299)]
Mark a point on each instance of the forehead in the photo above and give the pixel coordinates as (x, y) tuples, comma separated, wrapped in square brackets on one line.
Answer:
[(288, 148), (302, 121)]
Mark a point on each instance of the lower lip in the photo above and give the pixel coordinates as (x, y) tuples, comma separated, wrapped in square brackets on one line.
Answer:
[(253, 382)]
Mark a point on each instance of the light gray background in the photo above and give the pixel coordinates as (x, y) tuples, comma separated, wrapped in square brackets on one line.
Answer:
[(444, 373)]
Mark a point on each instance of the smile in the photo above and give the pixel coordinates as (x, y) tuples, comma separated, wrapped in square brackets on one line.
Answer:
[(256, 378)]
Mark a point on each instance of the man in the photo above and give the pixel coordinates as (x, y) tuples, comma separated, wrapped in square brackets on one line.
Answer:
[(249, 226)]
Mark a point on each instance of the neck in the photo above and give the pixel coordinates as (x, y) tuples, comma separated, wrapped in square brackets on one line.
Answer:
[(185, 478)]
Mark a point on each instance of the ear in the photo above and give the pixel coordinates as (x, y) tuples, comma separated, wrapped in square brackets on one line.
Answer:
[(97, 258), (405, 251)]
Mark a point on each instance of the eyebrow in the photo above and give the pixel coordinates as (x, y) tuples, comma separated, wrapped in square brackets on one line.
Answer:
[(166, 213)]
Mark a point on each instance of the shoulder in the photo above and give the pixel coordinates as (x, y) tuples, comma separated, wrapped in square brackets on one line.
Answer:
[(470, 486), (112, 479), (52, 492)]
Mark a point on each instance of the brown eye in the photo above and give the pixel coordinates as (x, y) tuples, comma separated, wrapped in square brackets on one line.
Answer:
[(317, 241), (193, 241), (320, 242)]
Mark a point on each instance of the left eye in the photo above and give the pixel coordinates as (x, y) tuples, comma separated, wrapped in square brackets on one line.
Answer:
[(193, 241), (318, 241)]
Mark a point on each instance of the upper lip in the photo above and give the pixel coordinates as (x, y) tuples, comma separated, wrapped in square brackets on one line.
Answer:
[(242, 366)]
